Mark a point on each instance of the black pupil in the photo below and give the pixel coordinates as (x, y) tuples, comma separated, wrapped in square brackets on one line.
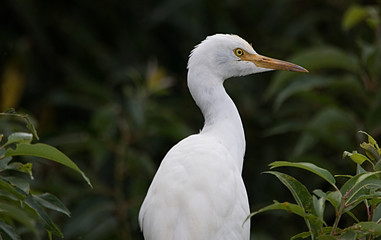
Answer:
[(239, 52)]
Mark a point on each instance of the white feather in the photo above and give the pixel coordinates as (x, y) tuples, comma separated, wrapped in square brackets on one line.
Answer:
[(198, 192)]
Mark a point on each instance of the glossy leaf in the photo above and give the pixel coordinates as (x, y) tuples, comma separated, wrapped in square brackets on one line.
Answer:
[(319, 207), (298, 190), (19, 137), (361, 197), (19, 215), (50, 201), (45, 151), (356, 157), (360, 169), (370, 151), (319, 193), (377, 166), (20, 183), (377, 213), (371, 140), (351, 189), (352, 215), (20, 167), (48, 223), (370, 227), (321, 172), (11, 190), (302, 235), (327, 237), (8, 231), (300, 194), (348, 235), (289, 207), (334, 198), (4, 163)]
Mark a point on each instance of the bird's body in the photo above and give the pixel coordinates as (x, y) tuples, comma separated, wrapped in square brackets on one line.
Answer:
[(203, 199), (198, 192)]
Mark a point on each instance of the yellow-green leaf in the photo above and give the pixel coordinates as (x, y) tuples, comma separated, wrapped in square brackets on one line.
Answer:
[(353, 16), (356, 157), (47, 152), (19, 137)]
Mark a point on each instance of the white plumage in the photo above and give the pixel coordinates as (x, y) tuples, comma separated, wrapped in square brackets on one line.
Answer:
[(198, 192)]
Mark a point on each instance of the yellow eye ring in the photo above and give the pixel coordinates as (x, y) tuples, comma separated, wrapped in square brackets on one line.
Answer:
[(239, 52)]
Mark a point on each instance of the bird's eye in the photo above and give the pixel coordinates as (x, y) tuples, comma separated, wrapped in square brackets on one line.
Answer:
[(238, 52)]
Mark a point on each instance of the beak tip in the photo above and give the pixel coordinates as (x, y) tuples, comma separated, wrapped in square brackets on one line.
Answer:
[(300, 69)]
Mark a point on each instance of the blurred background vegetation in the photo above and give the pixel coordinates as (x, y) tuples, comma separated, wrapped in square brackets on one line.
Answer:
[(106, 83)]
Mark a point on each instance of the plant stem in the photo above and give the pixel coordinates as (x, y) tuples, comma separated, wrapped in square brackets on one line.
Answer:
[(339, 213), (119, 176)]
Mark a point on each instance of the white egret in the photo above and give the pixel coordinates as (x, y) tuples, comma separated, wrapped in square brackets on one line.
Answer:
[(198, 192)]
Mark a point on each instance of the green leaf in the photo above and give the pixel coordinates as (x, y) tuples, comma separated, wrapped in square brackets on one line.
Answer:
[(371, 148), (348, 235), (371, 140), (334, 198), (289, 207), (326, 237), (298, 190), (377, 166), (301, 196), (19, 137), (302, 235), (352, 215), (48, 223), (361, 197), (20, 167), (319, 206), (343, 176), (45, 151), (357, 157), (20, 183), (319, 193), (52, 202), (11, 190), (370, 151), (321, 172), (18, 214), (4, 163), (30, 126), (352, 188), (8, 231), (370, 227), (353, 16), (377, 213), (360, 169)]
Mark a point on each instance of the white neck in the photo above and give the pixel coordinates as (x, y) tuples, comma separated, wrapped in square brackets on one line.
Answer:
[(222, 119)]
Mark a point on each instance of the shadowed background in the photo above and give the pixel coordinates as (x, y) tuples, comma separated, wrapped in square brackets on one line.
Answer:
[(106, 83)]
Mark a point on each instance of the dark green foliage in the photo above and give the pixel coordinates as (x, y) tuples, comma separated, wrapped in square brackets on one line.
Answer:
[(106, 82), (22, 207), (362, 188)]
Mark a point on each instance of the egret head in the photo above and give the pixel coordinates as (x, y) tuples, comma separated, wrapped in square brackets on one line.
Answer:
[(226, 56)]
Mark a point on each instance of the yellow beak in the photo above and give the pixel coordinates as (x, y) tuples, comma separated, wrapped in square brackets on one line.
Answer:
[(271, 63)]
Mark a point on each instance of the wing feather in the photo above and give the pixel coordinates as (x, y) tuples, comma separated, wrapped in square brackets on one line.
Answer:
[(197, 194)]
